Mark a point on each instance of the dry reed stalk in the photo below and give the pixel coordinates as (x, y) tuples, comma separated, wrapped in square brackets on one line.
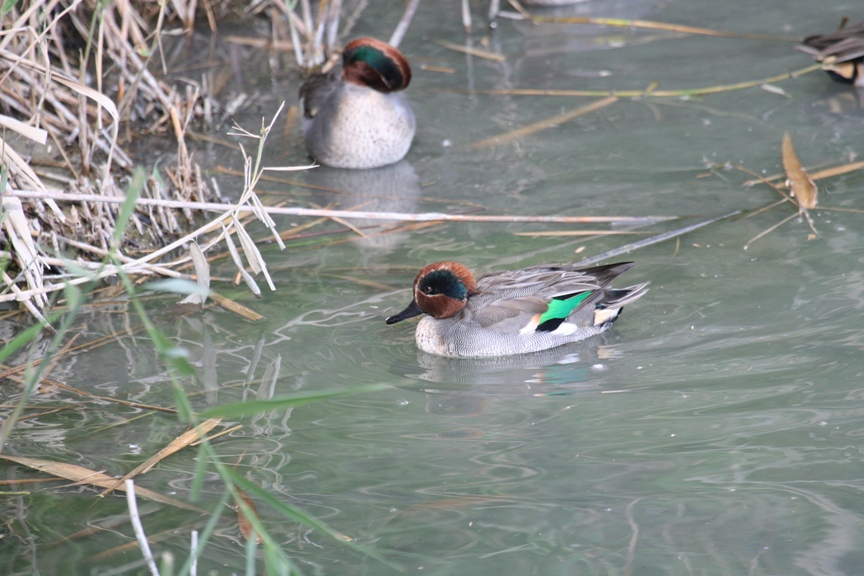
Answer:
[(46, 384), (687, 92), (284, 235), (564, 233), (836, 171), (815, 175), (46, 92), (677, 233), (234, 307), (248, 202), (79, 474), (182, 441), (404, 22), (471, 51), (327, 213), (803, 192), (650, 25), (543, 124)]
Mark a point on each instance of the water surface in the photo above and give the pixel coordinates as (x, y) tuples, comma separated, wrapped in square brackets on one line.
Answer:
[(713, 431)]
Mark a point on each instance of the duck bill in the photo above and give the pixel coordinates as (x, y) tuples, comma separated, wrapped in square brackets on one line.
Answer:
[(409, 312)]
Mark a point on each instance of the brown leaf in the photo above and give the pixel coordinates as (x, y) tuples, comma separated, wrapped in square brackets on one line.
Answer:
[(242, 520), (802, 186)]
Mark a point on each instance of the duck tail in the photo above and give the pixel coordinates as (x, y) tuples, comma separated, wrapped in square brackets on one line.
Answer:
[(609, 309)]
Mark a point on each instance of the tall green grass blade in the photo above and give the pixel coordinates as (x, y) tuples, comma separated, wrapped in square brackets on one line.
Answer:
[(175, 356), (7, 7), (251, 547), (4, 169), (136, 187), (257, 406), (205, 534), (25, 337), (33, 375), (301, 517), (200, 471), (74, 296)]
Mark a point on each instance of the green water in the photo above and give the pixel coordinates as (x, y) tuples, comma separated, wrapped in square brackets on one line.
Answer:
[(715, 430)]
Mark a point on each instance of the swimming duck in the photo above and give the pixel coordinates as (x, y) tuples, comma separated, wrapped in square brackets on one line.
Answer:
[(513, 312), (355, 119), (841, 53)]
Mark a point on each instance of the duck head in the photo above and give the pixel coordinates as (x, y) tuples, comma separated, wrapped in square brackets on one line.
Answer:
[(376, 64), (440, 290)]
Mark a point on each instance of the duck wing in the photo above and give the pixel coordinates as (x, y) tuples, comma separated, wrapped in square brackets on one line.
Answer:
[(315, 92), (541, 297)]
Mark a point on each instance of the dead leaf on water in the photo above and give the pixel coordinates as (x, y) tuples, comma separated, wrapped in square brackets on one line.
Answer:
[(802, 186), (242, 520), (802, 190)]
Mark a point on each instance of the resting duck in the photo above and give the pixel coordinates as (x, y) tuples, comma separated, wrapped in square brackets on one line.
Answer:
[(356, 119), (841, 53)]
